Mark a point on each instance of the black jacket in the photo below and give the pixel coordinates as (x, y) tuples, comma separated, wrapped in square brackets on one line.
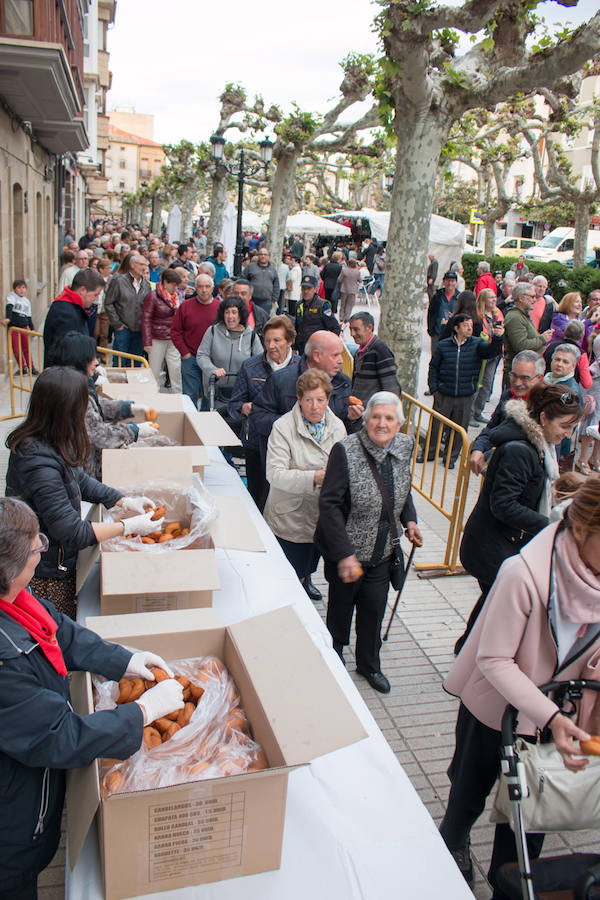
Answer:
[(454, 369), (482, 442), (41, 736), (505, 517), (40, 477), (248, 385), (311, 316), (260, 319), (279, 396), (63, 316), (439, 308), (329, 274)]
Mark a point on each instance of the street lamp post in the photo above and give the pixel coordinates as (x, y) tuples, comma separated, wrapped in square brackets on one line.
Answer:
[(389, 181), (241, 171)]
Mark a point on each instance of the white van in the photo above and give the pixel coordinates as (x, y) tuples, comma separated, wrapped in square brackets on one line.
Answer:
[(558, 246)]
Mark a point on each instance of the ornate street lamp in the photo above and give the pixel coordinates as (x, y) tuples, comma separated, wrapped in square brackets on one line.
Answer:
[(241, 170), (389, 181)]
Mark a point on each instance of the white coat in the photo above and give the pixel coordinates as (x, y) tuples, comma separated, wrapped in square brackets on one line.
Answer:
[(293, 457)]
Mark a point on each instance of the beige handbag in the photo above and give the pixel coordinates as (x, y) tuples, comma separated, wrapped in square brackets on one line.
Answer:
[(559, 800)]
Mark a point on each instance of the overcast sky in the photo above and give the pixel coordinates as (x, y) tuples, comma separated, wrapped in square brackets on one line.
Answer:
[(173, 59)]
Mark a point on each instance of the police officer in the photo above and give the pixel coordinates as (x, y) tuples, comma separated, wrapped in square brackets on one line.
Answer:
[(313, 313)]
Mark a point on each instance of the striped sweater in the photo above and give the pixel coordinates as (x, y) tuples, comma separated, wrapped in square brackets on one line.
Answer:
[(375, 370)]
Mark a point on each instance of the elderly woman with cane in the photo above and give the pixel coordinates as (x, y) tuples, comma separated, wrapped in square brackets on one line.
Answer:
[(365, 493)]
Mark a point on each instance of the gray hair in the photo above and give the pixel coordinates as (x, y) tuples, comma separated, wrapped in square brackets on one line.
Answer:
[(574, 330), (382, 398), (520, 289), (207, 268), (568, 348), (484, 266), (539, 278), (206, 275), (510, 278), (18, 527), (530, 356)]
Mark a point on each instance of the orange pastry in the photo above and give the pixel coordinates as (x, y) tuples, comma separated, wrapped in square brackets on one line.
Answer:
[(152, 737), (151, 415)]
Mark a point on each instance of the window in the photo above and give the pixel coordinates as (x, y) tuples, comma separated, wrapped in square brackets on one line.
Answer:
[(19, 18), (122, 149), (108, 162), (121, 163), (510, 245), (121, 184)]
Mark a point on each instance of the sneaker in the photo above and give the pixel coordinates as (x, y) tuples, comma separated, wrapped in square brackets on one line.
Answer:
[(462, 858)]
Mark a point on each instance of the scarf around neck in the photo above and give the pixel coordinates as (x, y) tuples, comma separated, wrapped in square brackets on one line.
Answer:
[(315, 429), (29, 612), (577, 588)]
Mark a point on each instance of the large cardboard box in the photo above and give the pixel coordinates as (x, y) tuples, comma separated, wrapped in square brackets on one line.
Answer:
[(150, 580), (205, 831)]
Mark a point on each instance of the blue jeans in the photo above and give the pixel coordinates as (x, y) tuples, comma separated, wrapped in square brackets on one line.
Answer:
[(129, 342), (191, 382)]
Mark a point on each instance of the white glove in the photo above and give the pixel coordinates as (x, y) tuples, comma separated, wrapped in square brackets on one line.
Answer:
[(161, 700), (140, 662), (139, 408), (142, 524), (100, 380), (137, 505), (146, 429), (100, 370)]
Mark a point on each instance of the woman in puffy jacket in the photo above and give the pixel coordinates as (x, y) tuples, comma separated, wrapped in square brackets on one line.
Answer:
[(515, 499), (157, 315), (44, 469), (40, 734), (104, 417)]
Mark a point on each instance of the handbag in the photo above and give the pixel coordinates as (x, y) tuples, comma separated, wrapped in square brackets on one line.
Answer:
[(559, 800), (397, 563)]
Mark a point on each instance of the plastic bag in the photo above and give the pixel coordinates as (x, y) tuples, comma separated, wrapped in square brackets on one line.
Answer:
[(155, 440), (216, 742), (192, 508)]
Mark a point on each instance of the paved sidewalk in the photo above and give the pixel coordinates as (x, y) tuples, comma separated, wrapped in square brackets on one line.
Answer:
[(417, 717)]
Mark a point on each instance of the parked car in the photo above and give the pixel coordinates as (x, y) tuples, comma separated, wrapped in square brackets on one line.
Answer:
[(558, 246), (514, 246), (590, 260)]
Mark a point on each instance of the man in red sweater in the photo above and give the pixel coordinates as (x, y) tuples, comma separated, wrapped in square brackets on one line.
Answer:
[(485, 279), (190, 322)]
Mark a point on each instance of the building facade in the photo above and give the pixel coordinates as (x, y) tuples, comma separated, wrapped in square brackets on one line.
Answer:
[(42, 98), (133, 158)]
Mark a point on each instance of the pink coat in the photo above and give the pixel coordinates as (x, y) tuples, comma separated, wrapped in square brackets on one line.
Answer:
[(511, 648)]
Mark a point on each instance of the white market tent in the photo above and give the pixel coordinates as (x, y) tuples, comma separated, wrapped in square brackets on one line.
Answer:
[(446, 237), (308, 223), (251, 221)]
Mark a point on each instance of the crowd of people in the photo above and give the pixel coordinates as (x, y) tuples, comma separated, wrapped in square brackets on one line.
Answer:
[(326, 462)]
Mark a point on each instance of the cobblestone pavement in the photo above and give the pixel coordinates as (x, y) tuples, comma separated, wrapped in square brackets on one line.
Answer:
[(417, 717)]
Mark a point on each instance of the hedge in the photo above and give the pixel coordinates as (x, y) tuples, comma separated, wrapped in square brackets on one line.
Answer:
[(561, 278)]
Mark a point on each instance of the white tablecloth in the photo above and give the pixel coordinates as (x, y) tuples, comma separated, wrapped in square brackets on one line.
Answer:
[(355, 828)]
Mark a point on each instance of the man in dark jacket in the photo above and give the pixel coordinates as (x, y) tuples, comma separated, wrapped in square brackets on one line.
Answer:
[(264, 280), (374, 363), (441, 307), (527, 370), (313, 314), (123, 303), (69, 311), (368, 252), (453, 373)]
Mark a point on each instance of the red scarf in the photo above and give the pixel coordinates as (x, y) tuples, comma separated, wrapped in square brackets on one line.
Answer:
[(171, 299), (30, 613), (71, 297)]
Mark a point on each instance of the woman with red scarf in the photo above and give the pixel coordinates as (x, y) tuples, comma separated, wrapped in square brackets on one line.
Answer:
[(40, 735), (157, 317)]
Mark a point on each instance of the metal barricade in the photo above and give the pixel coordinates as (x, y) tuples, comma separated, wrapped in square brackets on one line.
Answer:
[(431, 479), (25, 360)]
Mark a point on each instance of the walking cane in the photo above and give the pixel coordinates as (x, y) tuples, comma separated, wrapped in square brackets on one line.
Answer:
[(415, 544)]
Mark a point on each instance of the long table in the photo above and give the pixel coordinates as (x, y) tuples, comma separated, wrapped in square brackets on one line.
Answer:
[(355, 827)]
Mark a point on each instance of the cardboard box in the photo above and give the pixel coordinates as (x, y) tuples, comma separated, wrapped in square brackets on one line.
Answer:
[(134, 375), (206, 831), (149, 580)]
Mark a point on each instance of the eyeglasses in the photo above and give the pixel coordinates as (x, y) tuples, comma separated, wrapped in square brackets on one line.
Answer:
[(43, 544), (514, 376)]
